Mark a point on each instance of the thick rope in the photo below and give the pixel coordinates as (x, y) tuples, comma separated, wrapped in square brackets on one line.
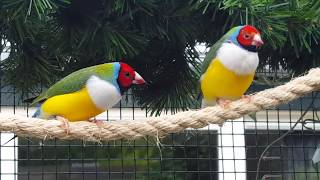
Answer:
[(162, 125)]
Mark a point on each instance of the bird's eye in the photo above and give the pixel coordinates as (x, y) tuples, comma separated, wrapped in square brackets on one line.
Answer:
[(246, 36), (127, 74)]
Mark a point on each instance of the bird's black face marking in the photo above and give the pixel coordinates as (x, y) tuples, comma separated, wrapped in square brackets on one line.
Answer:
[(250, 48)]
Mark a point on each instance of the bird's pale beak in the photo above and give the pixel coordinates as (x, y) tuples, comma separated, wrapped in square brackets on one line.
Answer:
[(257, 41), (138, 79)]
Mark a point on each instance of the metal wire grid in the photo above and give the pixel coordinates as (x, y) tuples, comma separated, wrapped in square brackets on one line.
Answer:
[(118, 160), (224, 153), (291, 157)]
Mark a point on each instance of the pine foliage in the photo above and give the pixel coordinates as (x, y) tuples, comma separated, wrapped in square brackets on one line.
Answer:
[(51, 38)]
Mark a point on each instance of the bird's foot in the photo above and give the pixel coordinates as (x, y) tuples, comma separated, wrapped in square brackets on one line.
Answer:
[(246, 98), (64, 123), (224, 103), (99, 123)]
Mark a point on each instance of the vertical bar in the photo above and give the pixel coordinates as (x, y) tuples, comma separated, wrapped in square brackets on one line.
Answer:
[(198, 162), (120, 110), (268, 141), (121, 146), (56, 158), (134, 142), (233, 150), (28, 159), (133, 106), (135, 160), (303, 143), (210, 154), (227, 156), (256, 143), (173, 147), (9, 168), (148, 162), (82, 159), (314, 111), (122, 163), (42, 159), (69, 160), (292, 148), (109, 161), (221, 156), (96, 159), (280, 146), (15, 145)]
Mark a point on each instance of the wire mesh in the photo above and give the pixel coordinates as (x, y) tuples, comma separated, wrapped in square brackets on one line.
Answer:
[(224, 153)]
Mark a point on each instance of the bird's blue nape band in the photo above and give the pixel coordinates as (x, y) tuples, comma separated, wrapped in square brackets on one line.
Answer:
[(116, 70), (234, 35), (116, 74)]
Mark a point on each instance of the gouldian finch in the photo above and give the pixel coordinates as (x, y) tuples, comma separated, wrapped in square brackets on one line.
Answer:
[(229, 67), (87, 92)]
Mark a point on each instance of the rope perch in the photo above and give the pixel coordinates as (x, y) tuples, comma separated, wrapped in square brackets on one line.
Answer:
[(162, 125)]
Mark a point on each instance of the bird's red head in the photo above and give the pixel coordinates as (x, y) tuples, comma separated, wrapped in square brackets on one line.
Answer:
[(127, 76), (249, 36)]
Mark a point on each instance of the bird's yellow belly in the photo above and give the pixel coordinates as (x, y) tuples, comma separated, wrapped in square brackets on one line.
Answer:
[(75, 106), (220, 82)]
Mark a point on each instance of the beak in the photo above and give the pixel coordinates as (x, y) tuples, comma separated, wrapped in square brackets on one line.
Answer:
[(257, 41), (138, 79)]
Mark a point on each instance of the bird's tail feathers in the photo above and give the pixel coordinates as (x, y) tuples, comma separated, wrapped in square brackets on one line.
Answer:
[(30, 100), (33, 101), (38, 112)]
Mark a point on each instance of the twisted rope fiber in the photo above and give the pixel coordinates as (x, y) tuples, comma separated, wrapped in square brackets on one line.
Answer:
[(162, 125)]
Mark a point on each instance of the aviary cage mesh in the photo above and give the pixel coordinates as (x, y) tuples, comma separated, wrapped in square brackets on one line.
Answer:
[(224, 153)]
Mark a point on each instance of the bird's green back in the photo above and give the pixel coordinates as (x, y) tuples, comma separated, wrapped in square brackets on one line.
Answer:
[(77, 80), (213, 50)]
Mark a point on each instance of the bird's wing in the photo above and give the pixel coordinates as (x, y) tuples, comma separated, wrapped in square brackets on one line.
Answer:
[(76, 81), (213, 50)]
